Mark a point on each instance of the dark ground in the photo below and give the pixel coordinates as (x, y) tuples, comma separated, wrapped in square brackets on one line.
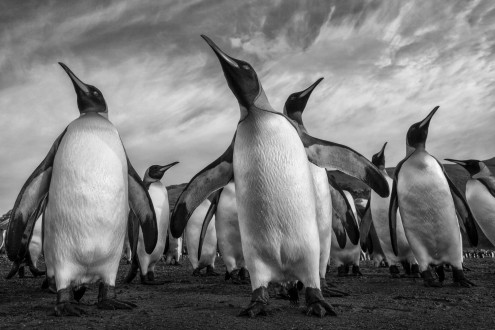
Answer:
[(376, 302)]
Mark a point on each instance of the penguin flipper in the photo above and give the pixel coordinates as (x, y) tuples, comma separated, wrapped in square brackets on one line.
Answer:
[(350, 222), (463, 210), (141, 205), (392, 216), (364, 228), (336, 156), (338, 229), (29, 205), (213, 177), (215, 197), (489, 183)]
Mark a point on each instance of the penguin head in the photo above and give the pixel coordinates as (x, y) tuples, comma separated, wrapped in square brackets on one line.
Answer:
[(240, 75), (473, 166), (89, 98), (378, 159), (155, 172), (296, 103), (417, 133)]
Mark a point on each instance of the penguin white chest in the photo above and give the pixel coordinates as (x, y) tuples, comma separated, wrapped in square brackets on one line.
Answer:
[(482, 203), (86, 214), (275, 195), (159, 197)]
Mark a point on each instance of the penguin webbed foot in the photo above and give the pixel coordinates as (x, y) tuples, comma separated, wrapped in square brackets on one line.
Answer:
[(107, 299), (244, 275), (66, 304), (234, 276), (461, 280), (36, 272), (328, 291), (342, 270), (149, 279), (356, 271), (316, 304), (258, 305), (429, 281), (196, 272), (210, 271), (48, 285)]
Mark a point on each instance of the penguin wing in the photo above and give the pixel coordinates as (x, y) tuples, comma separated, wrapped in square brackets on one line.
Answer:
[(338, 228), (336, 156), (142, 207), (392, 217), (214, 198), (489, 183), (211, 178), (133, 232), (364, 228), (29, 205), (463, 210), (347, 217)]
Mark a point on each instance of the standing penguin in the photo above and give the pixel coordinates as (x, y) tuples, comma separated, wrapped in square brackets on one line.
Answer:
[(480, 194), (294, 107), (429, 205), (202, 232), (268, 159), (173, 250), (228, 235), (140, 259), (89, 183), (376, 213)]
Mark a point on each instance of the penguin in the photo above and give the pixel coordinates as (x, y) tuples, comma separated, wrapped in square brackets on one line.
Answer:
[(228, 235), (480, 194), (173, 250), (343, 252), (206, 257), (89, 183), (294, 107), (376, 213), (141, 260), (428, 202), (268, 161)]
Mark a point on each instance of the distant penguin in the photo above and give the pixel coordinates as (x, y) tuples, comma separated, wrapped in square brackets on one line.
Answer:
[(89, 183), (229, 235), (480, 194), (343, 254), (376, 213), (192, 236), (429, 205), (35, 250), (173, 251), (294, 108), (268, 160), (141, 260)]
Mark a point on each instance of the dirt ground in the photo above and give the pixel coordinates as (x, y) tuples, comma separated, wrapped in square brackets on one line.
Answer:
[(376, 302)]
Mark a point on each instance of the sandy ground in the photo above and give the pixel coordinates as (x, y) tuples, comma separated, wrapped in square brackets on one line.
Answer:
[(376, 302)]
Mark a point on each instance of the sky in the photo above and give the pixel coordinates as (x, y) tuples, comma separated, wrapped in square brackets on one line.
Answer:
[(386, 64)]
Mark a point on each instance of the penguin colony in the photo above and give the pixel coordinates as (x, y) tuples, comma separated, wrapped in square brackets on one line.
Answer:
[(268, 204)]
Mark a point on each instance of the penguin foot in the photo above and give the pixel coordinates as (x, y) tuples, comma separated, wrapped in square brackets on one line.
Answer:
[(342, 270), (316, 304), (394, 271), (150, 280), (196, 272), (244, 275), (415, 271), (234, 276), (107, 299), (356, 271), (67, 308), (429, 281), (49, 285), (328, 292), (13, 270), (259, 303), (281, 291), (210, 271), (36, 272), (460, 279)]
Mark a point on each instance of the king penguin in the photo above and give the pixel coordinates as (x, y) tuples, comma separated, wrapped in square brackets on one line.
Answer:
[(89, 184), (480, 194), (268, 160), (429, 205), (294, 107), (141, 260), (173, 250), (376, 213)]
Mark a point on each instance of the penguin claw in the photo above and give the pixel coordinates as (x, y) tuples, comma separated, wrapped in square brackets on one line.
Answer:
[(112, 304), (67, 309), (320, 309), (255, 308)]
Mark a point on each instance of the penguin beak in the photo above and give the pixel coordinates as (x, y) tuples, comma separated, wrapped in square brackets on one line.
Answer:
[(380, 154), (458, 162), (166, 167), (305, 94), (425, 123), (224, 58), (78, 84)]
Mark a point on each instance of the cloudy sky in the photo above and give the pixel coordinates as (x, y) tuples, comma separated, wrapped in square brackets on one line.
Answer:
[(386, 64)]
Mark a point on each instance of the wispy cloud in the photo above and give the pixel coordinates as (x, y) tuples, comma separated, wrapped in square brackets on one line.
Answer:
[(386, 64)]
